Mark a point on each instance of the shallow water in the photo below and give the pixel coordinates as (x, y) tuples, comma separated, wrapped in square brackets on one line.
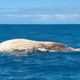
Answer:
[(41, 65)]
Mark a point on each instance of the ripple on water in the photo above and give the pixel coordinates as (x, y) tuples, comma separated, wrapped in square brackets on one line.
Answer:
[(40, 66)]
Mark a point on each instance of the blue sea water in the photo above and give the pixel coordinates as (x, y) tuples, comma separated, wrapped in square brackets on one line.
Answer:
[(41, 65)]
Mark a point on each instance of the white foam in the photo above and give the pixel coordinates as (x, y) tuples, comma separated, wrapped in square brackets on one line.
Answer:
[(77, 49)]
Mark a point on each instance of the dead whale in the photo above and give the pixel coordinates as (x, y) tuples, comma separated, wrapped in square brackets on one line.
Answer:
[(26, 46)]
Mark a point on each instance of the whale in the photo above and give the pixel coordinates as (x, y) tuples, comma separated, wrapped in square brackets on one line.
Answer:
[(28, 46)]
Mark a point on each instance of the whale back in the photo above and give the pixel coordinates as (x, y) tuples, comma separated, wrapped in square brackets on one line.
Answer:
[(55, 46), (25, 45)]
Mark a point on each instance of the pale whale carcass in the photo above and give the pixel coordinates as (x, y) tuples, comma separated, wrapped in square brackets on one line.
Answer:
[(25, 45)]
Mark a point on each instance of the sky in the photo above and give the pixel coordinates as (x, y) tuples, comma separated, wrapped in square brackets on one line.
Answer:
[(39, 12)]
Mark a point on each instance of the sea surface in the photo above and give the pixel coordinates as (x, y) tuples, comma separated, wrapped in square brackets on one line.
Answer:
[(41, 65)]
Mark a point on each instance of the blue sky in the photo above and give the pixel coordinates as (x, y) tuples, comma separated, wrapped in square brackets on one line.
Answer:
[(39, 11)]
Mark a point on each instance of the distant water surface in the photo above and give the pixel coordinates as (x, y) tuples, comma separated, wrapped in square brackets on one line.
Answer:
[(41, 66)]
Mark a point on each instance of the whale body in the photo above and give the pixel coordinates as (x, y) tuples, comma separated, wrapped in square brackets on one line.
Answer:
[(25, 45)]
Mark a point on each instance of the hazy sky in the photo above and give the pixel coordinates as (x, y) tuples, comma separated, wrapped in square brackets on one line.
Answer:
[(39, 11)]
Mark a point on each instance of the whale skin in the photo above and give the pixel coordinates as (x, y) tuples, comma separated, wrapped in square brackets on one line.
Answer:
[(25, 45)]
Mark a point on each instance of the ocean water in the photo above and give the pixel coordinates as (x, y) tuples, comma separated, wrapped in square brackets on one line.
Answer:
[(41, 65)]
